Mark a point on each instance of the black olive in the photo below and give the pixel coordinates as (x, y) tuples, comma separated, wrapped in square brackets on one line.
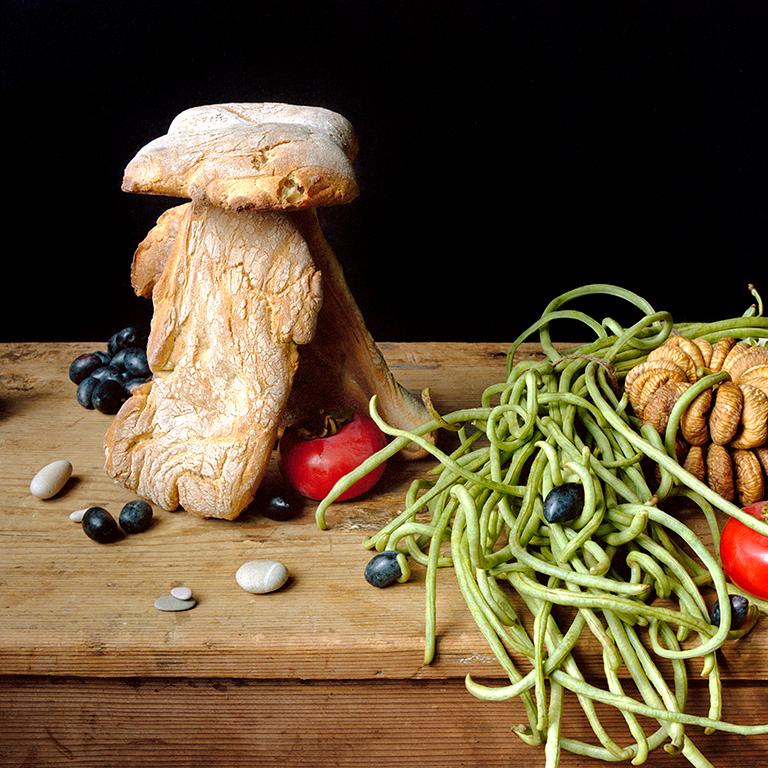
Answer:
[(383, 569), (112, 344), (85, 391), (739, 611), (136, 516), (83, 366), (277, 503), (564, 502), (108, 396), (103, 356), (118, 360), (135, 362), (132, 360), (100, 526), (126, 337), (130, 337), (106, 372)]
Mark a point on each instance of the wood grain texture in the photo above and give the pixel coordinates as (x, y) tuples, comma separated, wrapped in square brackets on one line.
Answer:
[(70, 606), (238, 723), (252, 679), (173, 723)]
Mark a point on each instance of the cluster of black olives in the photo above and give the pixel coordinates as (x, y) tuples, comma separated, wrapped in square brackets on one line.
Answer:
[(99, 525), (106, 379)]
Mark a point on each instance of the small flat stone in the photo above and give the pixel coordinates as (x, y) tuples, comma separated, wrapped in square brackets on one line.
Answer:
[(171, 603), (77, 515), (181, 593)]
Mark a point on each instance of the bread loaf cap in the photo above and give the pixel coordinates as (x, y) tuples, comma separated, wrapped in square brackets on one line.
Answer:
[(262, 156)]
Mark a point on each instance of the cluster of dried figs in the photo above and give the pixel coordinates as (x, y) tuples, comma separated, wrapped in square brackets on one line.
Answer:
[(723, 435)]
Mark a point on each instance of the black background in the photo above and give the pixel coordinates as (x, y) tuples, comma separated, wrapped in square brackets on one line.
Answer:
[(509, 151)]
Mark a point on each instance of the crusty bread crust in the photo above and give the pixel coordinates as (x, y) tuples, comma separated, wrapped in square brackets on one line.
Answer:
[(153, 251), (250, 156), (342, 365), (223, 352), (332, 124)]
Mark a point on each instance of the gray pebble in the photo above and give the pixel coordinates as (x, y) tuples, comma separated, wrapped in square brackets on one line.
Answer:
[(171, 603), (181, 593)]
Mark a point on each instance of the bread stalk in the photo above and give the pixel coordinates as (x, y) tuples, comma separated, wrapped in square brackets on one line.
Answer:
[(254, 325)]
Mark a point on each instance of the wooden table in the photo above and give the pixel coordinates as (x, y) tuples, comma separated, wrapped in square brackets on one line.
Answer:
[(326, 672)]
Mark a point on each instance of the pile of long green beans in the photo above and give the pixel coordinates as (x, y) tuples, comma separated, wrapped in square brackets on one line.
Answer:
[(633, 576)]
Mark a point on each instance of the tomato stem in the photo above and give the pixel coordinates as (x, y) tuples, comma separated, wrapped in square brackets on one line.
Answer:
[(323, 424)]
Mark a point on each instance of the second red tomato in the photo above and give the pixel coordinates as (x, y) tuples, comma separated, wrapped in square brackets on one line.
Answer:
[(744, 553)]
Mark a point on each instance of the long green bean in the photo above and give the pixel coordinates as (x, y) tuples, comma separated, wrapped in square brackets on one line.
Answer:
[(630, 573)]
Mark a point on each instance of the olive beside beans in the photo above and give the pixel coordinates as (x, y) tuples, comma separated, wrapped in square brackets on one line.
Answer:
[(564, 503), (739, 611), (124, 363), (383, 569)]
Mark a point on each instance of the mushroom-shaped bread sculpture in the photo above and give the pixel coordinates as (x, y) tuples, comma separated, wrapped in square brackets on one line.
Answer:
[(235, 278)]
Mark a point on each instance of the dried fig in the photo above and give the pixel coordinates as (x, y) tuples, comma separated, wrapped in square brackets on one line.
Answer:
[(720, 352), (706, 350), (689, 347), (694, 423), (726, 413), (720, 471), (750, 483), (660, 406), (675, 356), (637, 376), (752, 358), (754, 418), (694, 462)]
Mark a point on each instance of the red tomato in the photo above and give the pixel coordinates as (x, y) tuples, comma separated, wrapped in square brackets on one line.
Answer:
[(312, 466), (744, 553)]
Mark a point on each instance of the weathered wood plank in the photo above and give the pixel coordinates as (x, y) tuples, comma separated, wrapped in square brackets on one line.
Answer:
[(178, 723), (71, 607)]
